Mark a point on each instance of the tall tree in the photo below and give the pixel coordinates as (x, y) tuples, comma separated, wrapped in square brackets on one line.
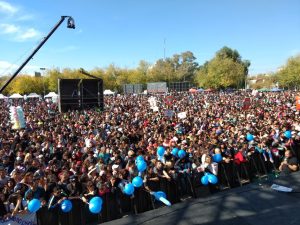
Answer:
[(225, 70), (179, 67), (289, 75)]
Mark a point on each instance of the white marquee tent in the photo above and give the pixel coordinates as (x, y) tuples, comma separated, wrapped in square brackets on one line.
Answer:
[(33, 95), (16, 96), (108, 92), (51, 95), (3, 97)]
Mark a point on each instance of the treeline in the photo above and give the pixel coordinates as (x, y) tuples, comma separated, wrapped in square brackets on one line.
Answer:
[(226, 69)]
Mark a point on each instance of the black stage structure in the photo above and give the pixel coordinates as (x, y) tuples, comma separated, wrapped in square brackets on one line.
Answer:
[(76, 94), (253, 204)]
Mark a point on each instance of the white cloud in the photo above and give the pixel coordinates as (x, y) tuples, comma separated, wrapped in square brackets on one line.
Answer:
[(9, 28), (18, 33), (25, 17), (7, 68), (27, 34), (7, 8), (14, 26)]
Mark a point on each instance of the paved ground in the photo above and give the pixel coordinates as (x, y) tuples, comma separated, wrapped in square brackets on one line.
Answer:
[(254, 204)]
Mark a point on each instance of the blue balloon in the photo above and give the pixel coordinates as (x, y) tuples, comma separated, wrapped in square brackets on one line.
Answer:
[(97, 200), (204, 180), (161, 151), (212, 179), (139, 158), (181, 153), (288, 134), (66, 205), (95, 207), (175, 151), (217, 158), (137, 181), (141, 166), (249, 137), (34, 205), (159, 194), (129, 189)]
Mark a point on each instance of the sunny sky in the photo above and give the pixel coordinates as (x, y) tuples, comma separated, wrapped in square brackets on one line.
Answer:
[(124, 32)]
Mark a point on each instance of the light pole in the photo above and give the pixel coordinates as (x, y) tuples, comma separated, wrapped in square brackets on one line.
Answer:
[(43, 77)]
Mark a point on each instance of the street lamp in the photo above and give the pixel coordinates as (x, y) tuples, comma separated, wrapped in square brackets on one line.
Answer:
[(43, 69)]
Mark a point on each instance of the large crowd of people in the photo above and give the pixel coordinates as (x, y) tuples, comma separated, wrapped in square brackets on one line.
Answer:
[(82, 154)]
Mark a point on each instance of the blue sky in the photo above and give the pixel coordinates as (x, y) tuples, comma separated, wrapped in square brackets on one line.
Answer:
[(124, 32)]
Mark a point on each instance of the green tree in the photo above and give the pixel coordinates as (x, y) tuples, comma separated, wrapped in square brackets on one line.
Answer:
[(179, 67), (27, 84), (51, 79), (289, 75), (225, 70)]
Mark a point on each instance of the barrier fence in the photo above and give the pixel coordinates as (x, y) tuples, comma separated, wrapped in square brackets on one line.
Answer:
[(116, 204)]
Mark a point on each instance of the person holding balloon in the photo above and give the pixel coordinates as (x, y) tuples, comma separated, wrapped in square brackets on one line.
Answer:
[(208, 165), (91, 191), (160, 171), (183, 168), (151, 180), (210, 172)]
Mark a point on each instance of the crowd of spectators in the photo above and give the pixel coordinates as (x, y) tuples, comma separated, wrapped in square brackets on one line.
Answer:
[(81, 154)]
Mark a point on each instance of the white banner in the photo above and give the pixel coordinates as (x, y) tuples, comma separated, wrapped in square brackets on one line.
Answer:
[(182, 115), (25, 219)]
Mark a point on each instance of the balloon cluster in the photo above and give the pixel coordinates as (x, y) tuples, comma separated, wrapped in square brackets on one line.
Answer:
[(178, 153), (209, 178), (95, 205), (140, 163), (17, 117), (137, 182)]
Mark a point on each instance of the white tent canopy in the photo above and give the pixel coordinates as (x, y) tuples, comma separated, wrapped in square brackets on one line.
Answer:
[(15, 96), (51, 95), (33, 95), (3, 97), (108, 92)]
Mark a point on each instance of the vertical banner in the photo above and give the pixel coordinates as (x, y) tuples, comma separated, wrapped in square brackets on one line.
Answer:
[(246, 104), (298, 102), (17, 117)]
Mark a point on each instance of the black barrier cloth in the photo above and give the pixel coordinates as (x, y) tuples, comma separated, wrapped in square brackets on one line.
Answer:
[(116, 204)]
